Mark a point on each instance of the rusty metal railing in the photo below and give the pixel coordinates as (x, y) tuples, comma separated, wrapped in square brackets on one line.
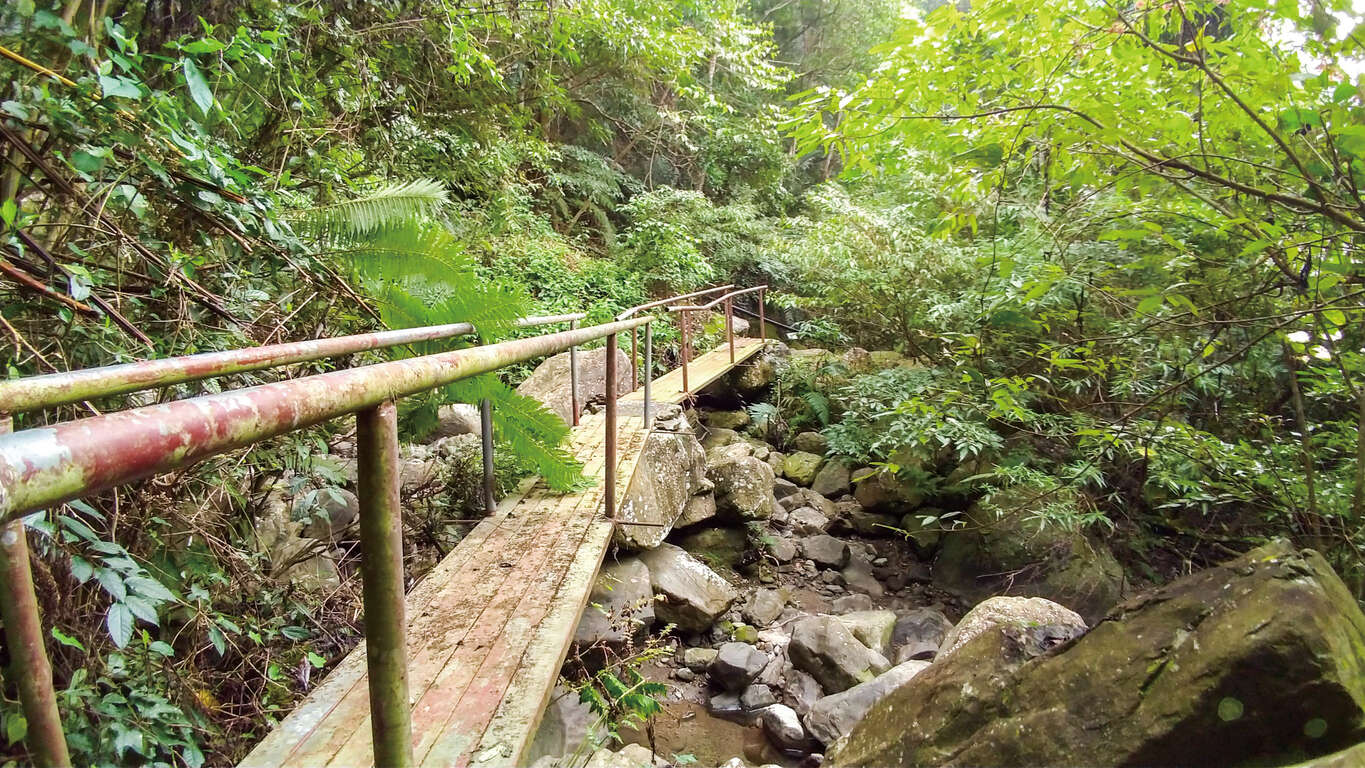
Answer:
[(728, 300), (649, 342), (45, 466)]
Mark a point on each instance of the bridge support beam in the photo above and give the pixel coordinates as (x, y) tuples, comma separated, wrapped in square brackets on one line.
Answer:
[(381, 536), (28, 653)]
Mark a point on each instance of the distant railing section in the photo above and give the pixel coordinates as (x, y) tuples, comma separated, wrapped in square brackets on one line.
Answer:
[(45, 466)]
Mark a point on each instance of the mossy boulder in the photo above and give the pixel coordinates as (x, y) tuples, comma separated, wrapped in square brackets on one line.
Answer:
[(1016, 554), (801, 467), (1260, 661), (743, 487), (734, 420)]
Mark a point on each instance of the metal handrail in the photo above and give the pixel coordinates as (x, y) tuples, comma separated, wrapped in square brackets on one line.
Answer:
[(671, 299), (649, 344), (683, 309), (45, 466), (22, 395)]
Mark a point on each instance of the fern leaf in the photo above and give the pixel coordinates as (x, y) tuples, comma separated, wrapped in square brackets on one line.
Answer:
[(390, 205)]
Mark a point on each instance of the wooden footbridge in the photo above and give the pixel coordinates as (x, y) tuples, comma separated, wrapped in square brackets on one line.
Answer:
[(459, 671)]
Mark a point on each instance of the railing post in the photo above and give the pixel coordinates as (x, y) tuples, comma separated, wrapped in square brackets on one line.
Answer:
[(490, 503), (649, 371), (45, 741), (609, 470), (730, 327), (634, 360), (682, 323), (381, 567), (573, 377), (762, 318)]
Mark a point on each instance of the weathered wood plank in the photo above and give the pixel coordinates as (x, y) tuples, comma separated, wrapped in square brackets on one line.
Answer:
[(701, 371)]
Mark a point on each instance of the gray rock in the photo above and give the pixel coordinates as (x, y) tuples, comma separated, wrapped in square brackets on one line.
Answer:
[(811, 442), (826, 551), (783, 726), (684, 674), (736, 665), (885, 492), (826, 649), (757, 696), (1021, 611), (1213, 669), (566, 725), (801, 467), (671, 473), (853, 603), (717, 438), (919, 633), (333, 511), (807, 521), (620, 607), (801, 689), (782, 549), (726, 705), (692, 594), (764, 607), (872, 628), (698, 509), (698, 659), (456, 419), (549, 382), (831, 481), (859, 577), (735, 420), (834, 716), (744, 489), (782, 487), (805, 497)]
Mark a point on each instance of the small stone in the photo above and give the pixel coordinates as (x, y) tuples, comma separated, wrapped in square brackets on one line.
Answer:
[(872, 628), (880, 562), (684, 674), (744, 633), (764, 607), (757, 696), (832, 480), (826, 551), (783, 726), (801, 467), (852, 604), (736, 665), (807, 521), (725, 705), (783, 550), (782, 487), (698, 659)]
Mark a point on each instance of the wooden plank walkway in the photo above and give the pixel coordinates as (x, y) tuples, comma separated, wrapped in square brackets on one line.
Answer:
[(702, 371), (490, 625)]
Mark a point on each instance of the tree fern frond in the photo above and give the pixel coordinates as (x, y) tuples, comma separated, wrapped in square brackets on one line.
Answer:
[(390, 205), (532, 431), (410, 250)]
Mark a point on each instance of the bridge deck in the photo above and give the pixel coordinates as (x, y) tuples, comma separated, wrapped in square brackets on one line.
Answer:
[(489, 627)]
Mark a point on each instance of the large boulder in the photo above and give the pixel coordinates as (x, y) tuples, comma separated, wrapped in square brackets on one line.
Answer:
[(872, 628), (828, 651), (620, 606), (671, 472), (882, 491), (826, 551), (734, 420), (1016, 555), (760, 371), (832, 717), (832, 480), (692, 595), (1021, 611), (744, 488), (811, 442), (1257, 661), (801, 467), (456, 419), (549, 382)]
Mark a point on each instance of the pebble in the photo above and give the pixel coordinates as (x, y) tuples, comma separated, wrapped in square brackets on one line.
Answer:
[(684, 674), (880, 562)]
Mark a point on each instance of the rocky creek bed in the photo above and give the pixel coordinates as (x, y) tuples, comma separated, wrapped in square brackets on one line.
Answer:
[(812, 621)]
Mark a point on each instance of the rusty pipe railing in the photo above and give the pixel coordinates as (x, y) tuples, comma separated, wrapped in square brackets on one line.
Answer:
[(35, 392), (728, 300), (649, 341), (45, 466)]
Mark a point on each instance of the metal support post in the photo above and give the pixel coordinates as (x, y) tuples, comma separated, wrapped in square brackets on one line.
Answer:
[(682, 323), (634, 359), (490, 502), (381, 568), (573, 378), (649, 373), (730, 327), (28, 653), (762, 319), (609, 470)]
